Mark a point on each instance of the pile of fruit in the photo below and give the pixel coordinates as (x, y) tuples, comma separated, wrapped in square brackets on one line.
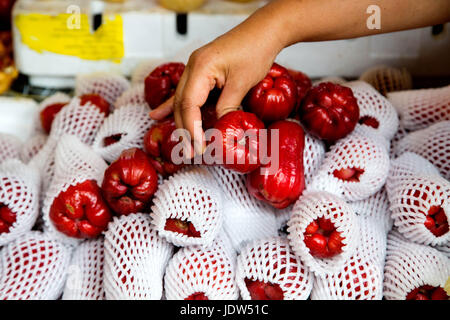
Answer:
[(95, 206)]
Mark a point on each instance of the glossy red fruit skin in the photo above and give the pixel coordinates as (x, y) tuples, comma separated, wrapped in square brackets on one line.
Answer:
[(48, 114), (243, 153), (130, 182), (80, 212), (436, 221), (197, 296), (427, 292), (260, 290), (303, 84), (97, 101), (286, 184), (162, 82), (183, 227), (348, 174), (322, 238), (7, 218), (329, 111), (159, 143), (274, 97), (369, 121)]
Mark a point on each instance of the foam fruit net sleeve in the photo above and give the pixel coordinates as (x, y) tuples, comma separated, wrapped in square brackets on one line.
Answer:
[(134, 95), (421, 108), (413, 188), (9, 147), (432, 143), (410, 265), (85, 273), (361, 150), (387, 79), (32, 146), (107, 85), (127, 125), (244, 217), (374, 105), (135, 259), (75, 163), (19, 190), (311, 206), (33, 267), (189, 195), (259, 260), (208, 270), (56, 98)]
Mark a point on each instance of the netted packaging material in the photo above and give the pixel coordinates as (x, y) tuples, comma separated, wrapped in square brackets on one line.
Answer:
[(245, 217), (109, 86), (123, 129), (387, 79), (432, 143), (272, 261), (313, 156), (190, 195), (55, 98), (421, 108), (445, 249), (19, 191), (33, 267), (410, 265), (135, 259), (82, 121), (414, 188), (32, 146), (208, 270), (9, 147), (312, 206), (399, 135), (363, 153), (85, 273), (374, 109), (75, 162), (134, 95)]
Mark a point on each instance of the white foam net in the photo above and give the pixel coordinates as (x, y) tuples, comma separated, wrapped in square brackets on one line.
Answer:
[(245, 217), (19, 191), (374, 105), (313, 155), (109, 86), (75, 163), (272, 261), (85, 273), (134, 95), (135, 259), (432, 143), (413, 188), (127, 125), (202, 269), (189, 195), (32, 146), (421, 108), (387, 79), (410, 265), (308, 208), (360, 150), (33, 267), (57, 97), (9, 147)]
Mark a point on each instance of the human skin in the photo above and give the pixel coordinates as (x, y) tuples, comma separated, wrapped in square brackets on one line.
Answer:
[(237, 60)]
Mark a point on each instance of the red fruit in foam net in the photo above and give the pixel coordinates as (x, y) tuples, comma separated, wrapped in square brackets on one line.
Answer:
[(161, 83), (197, 296), (182, 227), (329, 111), (348, 174), (97, 101), (427, 292), (48, 114), (436, 221), (7, 218), (322, 239), (260, 290)]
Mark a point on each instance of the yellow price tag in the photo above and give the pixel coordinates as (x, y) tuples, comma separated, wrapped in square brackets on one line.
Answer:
[(55, 34)]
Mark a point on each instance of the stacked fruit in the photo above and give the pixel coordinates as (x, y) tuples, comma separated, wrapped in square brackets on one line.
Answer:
[(299, 195)]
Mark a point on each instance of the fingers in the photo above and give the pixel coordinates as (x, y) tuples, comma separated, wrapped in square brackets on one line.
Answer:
[(163, 110), (231, 97)]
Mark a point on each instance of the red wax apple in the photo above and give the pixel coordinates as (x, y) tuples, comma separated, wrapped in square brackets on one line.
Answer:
[(329, 111), (97, 101), (162, 82), (209, 114), (436, 221), (183, 227), (322, 238), (197, 296), (7, 218), (286, 183), (240, 140), (112, 139), (159, 143), (348, 174), (260, 290), (80, 211), (130, 182), (427, 292), (47, 115), (274, 97), (369, 121), (303, 84)]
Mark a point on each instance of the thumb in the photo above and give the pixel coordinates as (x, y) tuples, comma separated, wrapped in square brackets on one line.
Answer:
[(231, 97)]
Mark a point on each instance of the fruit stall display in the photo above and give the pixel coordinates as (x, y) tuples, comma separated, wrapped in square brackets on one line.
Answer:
[(93, 206)]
